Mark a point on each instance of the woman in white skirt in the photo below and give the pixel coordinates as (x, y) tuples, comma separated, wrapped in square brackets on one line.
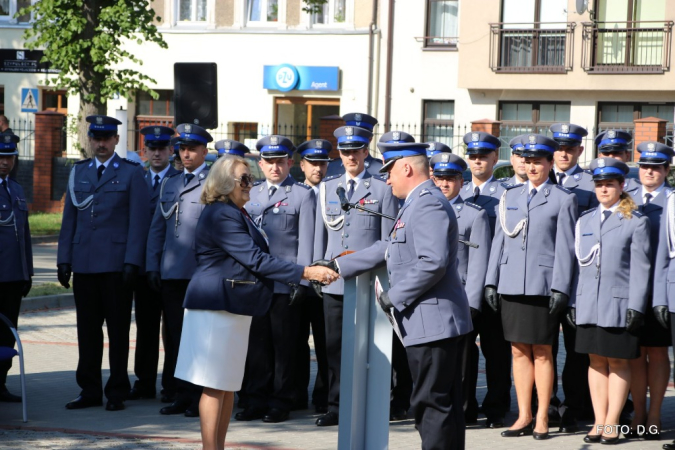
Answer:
[(233, 281)]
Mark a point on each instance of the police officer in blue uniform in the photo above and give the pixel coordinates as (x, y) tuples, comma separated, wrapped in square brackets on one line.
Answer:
[(314, 164), (147, 302), (171, 257), (338, 231), (485, 191), (373, 165), (517, 161), (426, 293), (285, 210), (231, 147), (616, 144), (102, 241), (473, 227), (16, 264)]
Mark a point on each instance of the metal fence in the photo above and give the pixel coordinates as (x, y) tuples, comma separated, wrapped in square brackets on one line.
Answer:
[(25, 129)]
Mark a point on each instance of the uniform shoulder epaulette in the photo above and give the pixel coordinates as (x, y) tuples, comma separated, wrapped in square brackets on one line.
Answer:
[(302, 185), (424, 192), (83, 161), (506, 185), (588, 211), (465, 182), (332, 177), (173, 175), (377, 177), (258, 182), (504, 179), (511, 186), (133, 163), (638, 214), (588, 171), (564, 189), (473, 205)]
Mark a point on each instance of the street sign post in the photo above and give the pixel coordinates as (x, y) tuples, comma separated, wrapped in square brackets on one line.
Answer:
[(29, 100)]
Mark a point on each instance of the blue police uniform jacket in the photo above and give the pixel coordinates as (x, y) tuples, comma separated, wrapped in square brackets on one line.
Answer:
[(581, 184), (654, 211), (235, 271), (426, 290), (472, 226), (631, 185), (16, 252), (488, 199), (112, 229), (540, 257), (288, 220), (338, 231), (154, 193), (335, 167), (664, 265), (171, 243), (613, 270)]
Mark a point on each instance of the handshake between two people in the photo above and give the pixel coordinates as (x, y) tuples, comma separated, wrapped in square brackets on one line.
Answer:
[(319, 273)]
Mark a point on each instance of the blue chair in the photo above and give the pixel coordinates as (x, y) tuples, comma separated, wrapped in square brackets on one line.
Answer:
[(9, 353)]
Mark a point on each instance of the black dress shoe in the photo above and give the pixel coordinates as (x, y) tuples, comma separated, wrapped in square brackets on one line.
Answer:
[(398, 413), (275, 415), (174, 408), (114, 405), (167, 398), (473, 420), (137, 394), (494, 421), (609, 441), (568, 424), (670, 446), (8, 397), (321, 409), (192, 412), (540, 436), (592, 438), (251, 413), (83, 402), (328, 420), (527, 430)]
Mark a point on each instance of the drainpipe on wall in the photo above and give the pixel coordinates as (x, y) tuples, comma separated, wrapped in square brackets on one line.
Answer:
[(371, 57), (390, 57)]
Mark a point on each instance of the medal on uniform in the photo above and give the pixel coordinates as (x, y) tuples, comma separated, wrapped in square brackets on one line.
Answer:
[(115, 165), (276, 208)]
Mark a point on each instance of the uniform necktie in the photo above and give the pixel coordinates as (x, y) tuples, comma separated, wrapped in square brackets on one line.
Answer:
[(476, 194), (533, 192), (561, 178), (188, 178), (5, 189), (648, 198), (605, 216), (350, 192), (156, 183), (99, 171), (272, 190)]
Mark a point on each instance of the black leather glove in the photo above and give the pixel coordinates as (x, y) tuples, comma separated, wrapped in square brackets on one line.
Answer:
[(26, 287), (298, 295), (571, 316), (474, 313), (63, 272), (491, 297), (634, 320), (129, 276), (330, 263), (662, 315), (384, 302), (557, 303), (154, 281)]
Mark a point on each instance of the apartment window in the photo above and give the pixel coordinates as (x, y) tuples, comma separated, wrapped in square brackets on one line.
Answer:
[(148, 106), (333, 12), (262, 11), (442, 23), (439, 121), (191, 10), (623, 115), (528, 117), (7, 9)]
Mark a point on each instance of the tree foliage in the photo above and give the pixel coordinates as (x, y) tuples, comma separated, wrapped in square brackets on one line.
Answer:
[(313, 6)]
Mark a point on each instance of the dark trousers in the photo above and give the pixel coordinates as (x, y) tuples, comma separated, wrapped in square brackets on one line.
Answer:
[(148, 307), (574, 376), (173, 295), (10, 304), (436, 369), (269, 379), (332, 308), (401, 379), (100, 297), (497, 353), (311, 313)]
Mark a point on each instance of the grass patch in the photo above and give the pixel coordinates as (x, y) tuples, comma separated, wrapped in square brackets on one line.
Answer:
[(49, 289), (43, 224)]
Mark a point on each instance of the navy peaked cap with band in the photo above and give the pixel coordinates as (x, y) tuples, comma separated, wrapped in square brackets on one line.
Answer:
[(436, 148), (315, 150), (517, 145), (446, 164), (613, 141), (568, 133), (190, 134), (352, 138), (396, 137), (275, 146), (231, 147), (655, 153), (360, 120), (8, 144), (175, 143), (102, 126), (537, 145), (480, 142), (393, 151), (608, 168), (157, 136)]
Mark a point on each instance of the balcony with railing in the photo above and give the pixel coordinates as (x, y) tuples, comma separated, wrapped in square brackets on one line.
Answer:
[(531, 47), (626, 47)]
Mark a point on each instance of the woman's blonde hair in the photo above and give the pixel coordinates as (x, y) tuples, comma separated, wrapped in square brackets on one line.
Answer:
[(220, 182), (626, 205)]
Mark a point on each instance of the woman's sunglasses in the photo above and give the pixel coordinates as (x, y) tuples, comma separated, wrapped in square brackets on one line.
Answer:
[(245, 180)]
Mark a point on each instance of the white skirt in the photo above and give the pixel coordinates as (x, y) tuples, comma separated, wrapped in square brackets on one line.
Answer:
[(213, 347)]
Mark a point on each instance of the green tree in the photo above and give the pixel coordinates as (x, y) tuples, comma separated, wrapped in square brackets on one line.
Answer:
[(85, 40)]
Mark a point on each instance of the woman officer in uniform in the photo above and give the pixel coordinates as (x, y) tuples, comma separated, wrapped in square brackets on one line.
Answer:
[(613, 252)]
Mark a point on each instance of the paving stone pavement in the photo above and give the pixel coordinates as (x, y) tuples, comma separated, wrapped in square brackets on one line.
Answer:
[(50, 345)]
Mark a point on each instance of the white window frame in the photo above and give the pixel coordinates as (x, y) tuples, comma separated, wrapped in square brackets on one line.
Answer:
[(210, 15), (12, 11), (347, 23), (281, 15)]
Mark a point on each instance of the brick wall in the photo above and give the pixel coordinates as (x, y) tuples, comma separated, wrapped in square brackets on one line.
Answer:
[(648, 129)]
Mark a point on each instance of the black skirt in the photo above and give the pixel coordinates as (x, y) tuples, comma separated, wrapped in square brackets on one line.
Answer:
[(525, 319), (609, 342), (652, 333)]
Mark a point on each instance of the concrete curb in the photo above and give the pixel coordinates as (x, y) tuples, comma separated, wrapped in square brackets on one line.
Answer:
[(48, 239), (48, 302)]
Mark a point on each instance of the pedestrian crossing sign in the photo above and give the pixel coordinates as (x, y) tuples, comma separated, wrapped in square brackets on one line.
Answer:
[(29, 100)]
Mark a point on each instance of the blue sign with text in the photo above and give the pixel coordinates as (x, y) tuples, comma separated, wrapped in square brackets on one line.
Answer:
[(286, 77)]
